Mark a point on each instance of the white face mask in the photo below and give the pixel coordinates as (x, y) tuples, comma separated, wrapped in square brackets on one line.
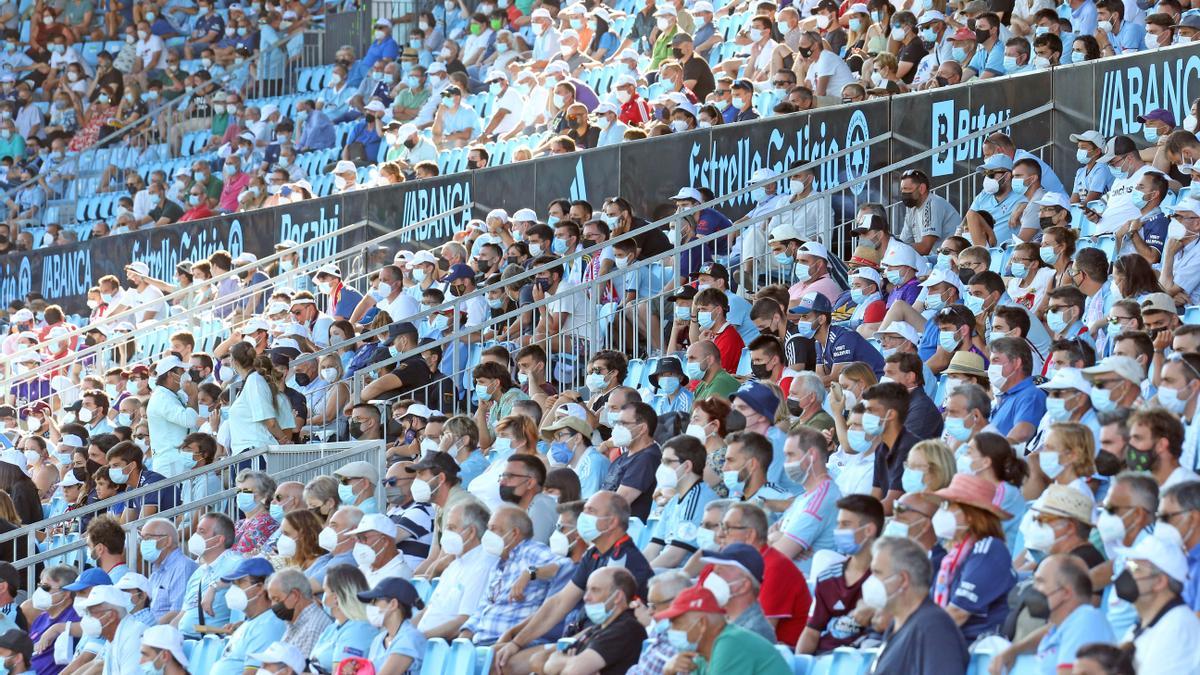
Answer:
[(286, 546), (196, 545)]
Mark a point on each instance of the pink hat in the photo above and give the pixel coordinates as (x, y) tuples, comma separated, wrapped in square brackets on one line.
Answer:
[(972, 491)]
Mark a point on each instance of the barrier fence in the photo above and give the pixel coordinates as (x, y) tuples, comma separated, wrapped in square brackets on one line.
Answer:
[(1109, 93)]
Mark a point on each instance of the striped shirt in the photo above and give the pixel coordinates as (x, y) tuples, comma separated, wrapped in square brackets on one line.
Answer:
[(811, 519), (681, 517), (417, 520)]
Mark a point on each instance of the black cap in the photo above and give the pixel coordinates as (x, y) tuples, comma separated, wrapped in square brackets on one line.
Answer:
[(18, 641), (437, 462), (7, 411), (452, 90), (683, 293), (714, 269), (74, 407), (830, 5), (401, 328), (9, 575), (394, 588), (282, 356)]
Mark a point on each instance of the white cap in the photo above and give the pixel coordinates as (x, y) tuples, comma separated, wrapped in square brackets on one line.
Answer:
[(267, 110), (814, 248), (496, 74), (376, 106), (573, 9), (498, 214), (134, 581), (69, 440), (940, 276), (556, 67), (568, 33), (16, 458), (70, 480), (168, 637), (1124, 367), (281, 652), (23, 314), (419, 410), (625, 81), (540, 13), (107, 595), (1160, 551), (901, 328), (858, 8), (1054, 199), (931, 16), (666, 10), (376, 522), (1091, 136), (422, 257), (172, 362), (602, 14), (607, 107), (138, 267), (406, 130), (436, 67), (702, 6), (869, 274), (344, 166), (331, 269), (1188, 204), (627, 55), (1067, 378), (688, 193), (900, 256), (302, 300), (276, 307), (761, 175), (525, 216), (253, 326), (381, 21), (783, 232)]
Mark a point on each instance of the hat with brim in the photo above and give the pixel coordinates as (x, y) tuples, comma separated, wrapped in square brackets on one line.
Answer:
[(694, 599), (972, 491), (966, 363), (1065, 501), (669, 366), (566, 422)]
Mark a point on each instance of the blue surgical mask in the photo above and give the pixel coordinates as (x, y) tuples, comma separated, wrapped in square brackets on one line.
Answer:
[(1010, 63), (943, 261), (1102, 400), (895, 277), (958, 53), (912, 480), (1018, 270), (705, 319), (276, 511), (1055, 321), (805, 329), (872, 424), (802, 273), (559, 246), (245, 502), (844, 541), (693, 370), (149, 550), (957, 428), (679, 640), (948, 340), (1048, 255), (482, 393), (560, 453), (1018, 186), (1150, 133), (1056, 409), (934, 302), (857, 296), (597, 612), (345, 494), (683, 313), (1082, 156), (973, 303), (732, 481), (668, 385), (1138, 198), (783, 259), (857, 438)]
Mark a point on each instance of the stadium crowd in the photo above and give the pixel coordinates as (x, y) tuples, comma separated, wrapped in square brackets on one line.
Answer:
[(903, 460), (205, 108)]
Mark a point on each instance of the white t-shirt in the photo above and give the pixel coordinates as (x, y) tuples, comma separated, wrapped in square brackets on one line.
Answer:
[(829, 65), (1120, 208), (1158, 648), (460, 589), (396, 567), (511, 101), (148, 295), (123, 655), (148, 48), (248, 414)]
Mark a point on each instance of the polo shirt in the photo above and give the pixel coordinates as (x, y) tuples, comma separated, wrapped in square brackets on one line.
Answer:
[(729, 343), (612, 642), (1023, 403), (991, 60), (723, 384), (909, 291), (1000, 210), (924, 420), (889, 463), (1157, 647), (811, 520), (623, 553), (845, 345), (252, 637), (1084, 625)]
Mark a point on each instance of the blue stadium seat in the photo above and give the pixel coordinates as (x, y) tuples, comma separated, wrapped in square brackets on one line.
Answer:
[(436, 654), (979, 663), (424, 588), (483, 660), (1191, 314), (634, 374), (461, 660), (743, 369)]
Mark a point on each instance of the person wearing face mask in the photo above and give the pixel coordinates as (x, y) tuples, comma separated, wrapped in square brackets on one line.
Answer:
[(281, 658), (337, 540), (1155, 444), (169, 416), (631, 475), (52, 610), (682, 470), (806, 399), (1152, 581), (604, 524), (358, 481), (698, 629), (350, 631), (107, 616), (1058, 523), (247, 594), (976, 575), (807, 524), (462, 586), (290, 595), (170, 567), (1020, 404), (836, 345), (741, 565), (570, 445), (997, 200), (127, 467), (1127, 169), (671, 385), (928, 218), (521, 485), (612, 626), (390, 606), (375, 549), (1180, 275), (162, 652), (1127, 516), (106, 546)]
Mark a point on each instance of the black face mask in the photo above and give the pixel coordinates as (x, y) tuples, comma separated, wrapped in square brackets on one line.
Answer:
[(508, 494), (1046, 221), (805, 52), (81, 474), (194, 373), (284, 613), (1037, 604), (942, 82), (909, 199), (1126, 586), (794, 408), (92, 467), (355, 428), (734, 421), (1140, 460), (303, 379), (982, 36), (677, 52), (964, 275), (410, 143), (1108, 464), (760, 371), (513, 260)]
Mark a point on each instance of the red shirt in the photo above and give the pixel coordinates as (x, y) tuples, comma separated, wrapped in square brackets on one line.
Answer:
[(730, 344), (635, 112), (784, 596), (196, 213)]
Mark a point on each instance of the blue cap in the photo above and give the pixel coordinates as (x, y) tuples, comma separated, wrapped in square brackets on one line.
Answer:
[(812, 301), (744, 556), (458, 271), (251, 567), (394, 588), (93, 576), (400, 328), (759, 397), (996, 162)]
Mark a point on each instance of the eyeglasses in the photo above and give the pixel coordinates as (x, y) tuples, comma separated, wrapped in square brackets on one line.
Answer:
[(730, 528), (514, 476), (901, 508), (1177, 357)]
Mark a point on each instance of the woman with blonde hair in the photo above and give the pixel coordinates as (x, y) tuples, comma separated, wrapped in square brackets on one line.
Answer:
[(1068, 457), (350, 629), (929, 467)]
